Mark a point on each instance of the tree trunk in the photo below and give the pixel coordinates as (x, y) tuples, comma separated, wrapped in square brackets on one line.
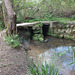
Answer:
[(3, 15), (25, 9), (11, 17), (0, 10)]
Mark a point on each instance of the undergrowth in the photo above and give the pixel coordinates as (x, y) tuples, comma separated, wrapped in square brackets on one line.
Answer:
[(13, 41), (41, 69), (1, 25), (62, 19)]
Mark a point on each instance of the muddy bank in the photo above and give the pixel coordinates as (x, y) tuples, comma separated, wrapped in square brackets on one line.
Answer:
[(12, 61)]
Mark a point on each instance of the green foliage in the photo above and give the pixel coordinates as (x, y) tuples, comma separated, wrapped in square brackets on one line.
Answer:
[(41, 39), (41, 69), (62, 19), (35, 38), (73, 49), (19, 19), (47, 9), (13, 41), (62, 53), (72, 63), (41, 10), (1, 25), (73, 17), (38, 37)]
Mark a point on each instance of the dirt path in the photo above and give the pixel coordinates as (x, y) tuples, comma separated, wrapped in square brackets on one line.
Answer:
[(12, 61)]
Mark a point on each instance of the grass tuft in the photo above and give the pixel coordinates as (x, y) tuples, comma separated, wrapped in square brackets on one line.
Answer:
[(41, 69)]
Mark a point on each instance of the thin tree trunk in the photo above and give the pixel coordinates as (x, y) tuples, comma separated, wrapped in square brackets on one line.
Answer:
[(11, 17), (3, 15), (0, 10), (25, 10)]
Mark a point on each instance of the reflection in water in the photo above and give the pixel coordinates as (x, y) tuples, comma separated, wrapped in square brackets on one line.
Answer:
[(24, 35), (57, 51), (62, 55)]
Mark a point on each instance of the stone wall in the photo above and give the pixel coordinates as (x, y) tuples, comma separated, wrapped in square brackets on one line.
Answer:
[(63, 30), (55, 29)]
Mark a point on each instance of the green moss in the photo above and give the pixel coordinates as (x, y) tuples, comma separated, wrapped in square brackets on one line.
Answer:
[(60, 36), (38, 37), (41, 39), (54, 35), (72, 38), (69, 37), (36, 32), (35, 38), (73, 32), (1, 25), (48, 33), (66, 37)]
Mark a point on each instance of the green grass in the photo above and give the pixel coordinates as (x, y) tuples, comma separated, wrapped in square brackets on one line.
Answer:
[(60, 19), (1, 25), (13, 41), (49, 18), (41, 69)]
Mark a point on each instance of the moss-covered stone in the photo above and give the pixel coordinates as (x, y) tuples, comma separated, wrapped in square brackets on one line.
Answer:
[(54, 35), (35, 38), (41, 39), (37, 31), (73, 32), (61, 30), (69, 37), (48, 33)]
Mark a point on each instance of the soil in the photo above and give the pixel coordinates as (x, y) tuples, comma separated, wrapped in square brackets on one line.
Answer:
[(12, 61)]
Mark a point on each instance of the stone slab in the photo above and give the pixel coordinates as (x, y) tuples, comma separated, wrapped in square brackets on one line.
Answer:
[(0, 2), (49, 22), (26, 24)]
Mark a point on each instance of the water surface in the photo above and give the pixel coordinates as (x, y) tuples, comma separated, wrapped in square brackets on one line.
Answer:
[(56, 51)]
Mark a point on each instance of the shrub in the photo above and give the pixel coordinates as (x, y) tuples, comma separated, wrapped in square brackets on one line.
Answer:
[(13, 41)]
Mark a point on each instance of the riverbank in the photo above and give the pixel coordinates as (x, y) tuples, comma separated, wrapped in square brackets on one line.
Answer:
[(12, 61)]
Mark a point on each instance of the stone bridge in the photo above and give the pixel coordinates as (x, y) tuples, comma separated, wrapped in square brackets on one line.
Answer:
[(53, 28)]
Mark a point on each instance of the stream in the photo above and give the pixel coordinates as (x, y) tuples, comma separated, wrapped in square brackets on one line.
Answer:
[(56, 51)]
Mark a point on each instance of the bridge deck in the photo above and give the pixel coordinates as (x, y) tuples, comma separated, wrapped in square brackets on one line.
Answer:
[(27, 24), (34, 23)]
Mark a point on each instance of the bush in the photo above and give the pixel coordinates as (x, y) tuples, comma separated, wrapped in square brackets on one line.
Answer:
[(13, 41)]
